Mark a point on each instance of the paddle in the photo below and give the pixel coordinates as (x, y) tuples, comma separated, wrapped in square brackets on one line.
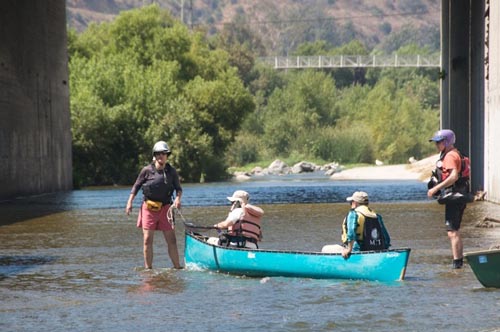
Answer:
[(191, 225)]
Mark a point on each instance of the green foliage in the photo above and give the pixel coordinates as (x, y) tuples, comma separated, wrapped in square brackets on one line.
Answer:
[(242, 45), (143, 78), (148, 34), (345, 77), (397, 123), (308, 116), (294, 113), (345, 145), (245, 150), (220, 106), (318, 47), (193, 148)]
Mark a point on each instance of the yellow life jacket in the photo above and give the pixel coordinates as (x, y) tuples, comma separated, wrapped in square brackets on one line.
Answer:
[(248, 225)]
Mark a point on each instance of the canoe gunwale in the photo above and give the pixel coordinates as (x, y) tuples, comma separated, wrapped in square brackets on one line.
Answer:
[(299, 252), (482, 252)]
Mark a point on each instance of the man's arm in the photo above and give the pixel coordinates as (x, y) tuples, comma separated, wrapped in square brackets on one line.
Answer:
[(231, 219), (352, 218)]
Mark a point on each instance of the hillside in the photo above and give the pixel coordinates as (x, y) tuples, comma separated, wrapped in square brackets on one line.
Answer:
[(284, 24)]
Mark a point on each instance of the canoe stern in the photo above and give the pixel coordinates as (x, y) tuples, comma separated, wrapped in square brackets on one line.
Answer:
[(486, 266)]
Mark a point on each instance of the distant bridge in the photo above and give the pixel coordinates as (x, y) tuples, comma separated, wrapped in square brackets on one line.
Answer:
[(352, 61)]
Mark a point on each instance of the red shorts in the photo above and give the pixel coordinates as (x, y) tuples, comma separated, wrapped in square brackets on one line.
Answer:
[(152, 220)]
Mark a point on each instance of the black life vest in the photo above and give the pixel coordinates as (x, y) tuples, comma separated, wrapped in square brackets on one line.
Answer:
[(373, 237), (369, 234), (159, 184)]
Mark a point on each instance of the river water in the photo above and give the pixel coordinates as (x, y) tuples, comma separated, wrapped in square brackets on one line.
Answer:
[(73, 261)]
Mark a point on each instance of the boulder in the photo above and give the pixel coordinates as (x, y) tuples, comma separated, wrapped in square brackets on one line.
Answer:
[(241, 176), (278, 167), (333, 165), (256, 170), (303, 167), (330, 172)]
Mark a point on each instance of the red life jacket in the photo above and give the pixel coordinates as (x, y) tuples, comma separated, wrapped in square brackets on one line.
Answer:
[(465, 169), (464, 172), (462, 185), (248, 225)]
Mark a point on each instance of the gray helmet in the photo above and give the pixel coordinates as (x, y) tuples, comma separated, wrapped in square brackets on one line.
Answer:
[(161, 146)]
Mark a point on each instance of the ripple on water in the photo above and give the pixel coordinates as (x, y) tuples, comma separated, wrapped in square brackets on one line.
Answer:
[(75, 269)]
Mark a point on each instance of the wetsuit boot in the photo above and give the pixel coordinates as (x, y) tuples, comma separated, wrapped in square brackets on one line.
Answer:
[(458, 263)]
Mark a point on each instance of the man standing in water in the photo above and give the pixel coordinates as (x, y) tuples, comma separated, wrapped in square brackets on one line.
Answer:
[(158, 180), (451, 182)]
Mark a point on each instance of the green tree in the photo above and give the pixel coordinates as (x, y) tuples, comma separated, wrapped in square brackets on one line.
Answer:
[(347, 76), (317, 47), (295, 112), (145, 77), (392, 116), (242, 45)]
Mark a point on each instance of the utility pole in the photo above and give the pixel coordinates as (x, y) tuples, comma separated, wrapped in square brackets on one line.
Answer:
[(182, 11), (191, 14)]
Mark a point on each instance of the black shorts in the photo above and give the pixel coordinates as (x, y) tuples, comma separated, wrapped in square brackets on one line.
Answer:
[(453, 216)]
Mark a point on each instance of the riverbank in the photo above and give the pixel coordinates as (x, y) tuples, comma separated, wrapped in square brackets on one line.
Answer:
[(419, 170), (416, 170)]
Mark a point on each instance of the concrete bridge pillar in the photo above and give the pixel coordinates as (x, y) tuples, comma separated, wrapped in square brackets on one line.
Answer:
[(463, 85), (492, 121), (35, 130)]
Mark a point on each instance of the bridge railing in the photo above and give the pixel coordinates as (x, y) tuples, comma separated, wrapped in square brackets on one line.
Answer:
[(352, 61)]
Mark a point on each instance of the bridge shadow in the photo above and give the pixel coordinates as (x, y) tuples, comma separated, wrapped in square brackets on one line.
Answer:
[(26, 208)]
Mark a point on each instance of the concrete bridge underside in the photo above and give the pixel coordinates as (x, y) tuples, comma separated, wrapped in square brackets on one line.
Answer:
[(470, 90), (35, 130), (35, 134)]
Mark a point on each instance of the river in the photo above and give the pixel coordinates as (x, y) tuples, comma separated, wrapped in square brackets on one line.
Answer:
[(73, 261)]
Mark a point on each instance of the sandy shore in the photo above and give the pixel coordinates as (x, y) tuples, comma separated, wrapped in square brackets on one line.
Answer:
[(419, 170)]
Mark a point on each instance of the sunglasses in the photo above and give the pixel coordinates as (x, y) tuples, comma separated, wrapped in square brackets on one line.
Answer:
[(162, 153)]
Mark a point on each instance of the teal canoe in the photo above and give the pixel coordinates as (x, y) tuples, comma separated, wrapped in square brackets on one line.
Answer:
[(486, 266), (385, 265)]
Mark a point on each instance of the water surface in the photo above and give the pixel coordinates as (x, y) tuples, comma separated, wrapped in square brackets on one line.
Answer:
[(72, 261)]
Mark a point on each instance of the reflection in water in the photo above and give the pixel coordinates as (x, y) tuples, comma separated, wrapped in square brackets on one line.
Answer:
[(163, 281), (13, 265)]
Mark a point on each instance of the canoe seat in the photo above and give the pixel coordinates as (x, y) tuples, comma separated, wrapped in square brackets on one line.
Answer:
[(332, 249), (226, 240)]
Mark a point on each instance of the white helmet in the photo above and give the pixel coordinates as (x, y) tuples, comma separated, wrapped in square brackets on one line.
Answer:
[(240, 196), (161, 146)]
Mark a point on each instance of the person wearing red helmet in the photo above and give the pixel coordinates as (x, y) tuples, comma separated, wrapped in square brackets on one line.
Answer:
[(451, 188)]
